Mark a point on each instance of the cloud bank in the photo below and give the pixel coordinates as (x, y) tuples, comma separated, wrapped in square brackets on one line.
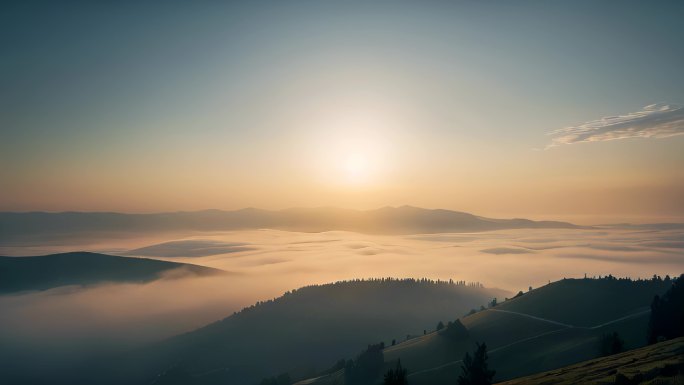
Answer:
[(190, 248), (654, 121)]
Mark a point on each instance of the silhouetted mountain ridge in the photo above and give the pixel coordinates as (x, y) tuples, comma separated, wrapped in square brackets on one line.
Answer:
[(386, 220)]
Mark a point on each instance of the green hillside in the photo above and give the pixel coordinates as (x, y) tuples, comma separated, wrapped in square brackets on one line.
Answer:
[(553, 326), (586, 302), (662, 364), (304, 331), (82, 268)]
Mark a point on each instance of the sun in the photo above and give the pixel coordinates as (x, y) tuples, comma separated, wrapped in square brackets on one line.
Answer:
[(350, 151), (356, 167)]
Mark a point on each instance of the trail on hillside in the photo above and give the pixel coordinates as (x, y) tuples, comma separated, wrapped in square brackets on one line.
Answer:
[(629, 316), (532, 317), (563, 325)]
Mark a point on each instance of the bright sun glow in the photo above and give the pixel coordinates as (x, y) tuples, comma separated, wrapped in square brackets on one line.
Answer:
[(351, 149), (356, 167)]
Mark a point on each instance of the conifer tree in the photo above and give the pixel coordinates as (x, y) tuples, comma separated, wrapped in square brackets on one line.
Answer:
[(475, 370)]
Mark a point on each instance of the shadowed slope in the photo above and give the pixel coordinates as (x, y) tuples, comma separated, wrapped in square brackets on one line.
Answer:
[(304, 331), (587, 302), (83, 268), (556, 325), (661, 363)]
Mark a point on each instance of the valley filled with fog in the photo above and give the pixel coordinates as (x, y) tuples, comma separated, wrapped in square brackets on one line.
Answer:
[(111, 317), (507, 259)]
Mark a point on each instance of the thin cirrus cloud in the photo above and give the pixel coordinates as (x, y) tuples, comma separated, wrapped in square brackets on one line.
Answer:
[(654, 121)]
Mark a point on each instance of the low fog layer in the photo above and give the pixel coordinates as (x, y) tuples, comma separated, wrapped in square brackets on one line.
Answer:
[(60, 327), (80, 322), (509, 259)]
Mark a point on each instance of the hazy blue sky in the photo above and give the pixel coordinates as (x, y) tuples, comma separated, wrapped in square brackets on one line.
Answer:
[(149, 106)]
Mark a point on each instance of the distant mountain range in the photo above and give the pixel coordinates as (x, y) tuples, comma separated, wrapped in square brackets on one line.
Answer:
[(81, 268), (386, 220)]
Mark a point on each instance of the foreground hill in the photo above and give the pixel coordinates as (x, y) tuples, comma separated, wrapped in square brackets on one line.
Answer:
[(553, 326), (661, 363), (302, 332), (82, 268), (550, 327), (388, 220)]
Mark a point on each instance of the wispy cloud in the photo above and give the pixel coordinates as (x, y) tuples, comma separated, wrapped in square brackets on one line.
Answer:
[(654, 121)]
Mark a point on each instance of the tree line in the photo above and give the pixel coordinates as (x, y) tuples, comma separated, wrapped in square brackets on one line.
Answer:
[(402, 282), (667, 313)]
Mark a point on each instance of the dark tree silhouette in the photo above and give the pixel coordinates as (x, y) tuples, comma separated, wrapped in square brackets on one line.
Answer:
[(455, 331), (611, 343), (396, 376), (283, 379), (474, 370), (440, 325), (367, 366), (667, 313)]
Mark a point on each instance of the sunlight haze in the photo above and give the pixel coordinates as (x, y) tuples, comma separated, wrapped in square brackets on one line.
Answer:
[(341, 192), (451, 105)]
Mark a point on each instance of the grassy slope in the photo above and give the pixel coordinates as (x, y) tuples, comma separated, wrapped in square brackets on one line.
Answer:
[(585, 302), (306, 331), (81, 268), (520, 345), (659, 363)]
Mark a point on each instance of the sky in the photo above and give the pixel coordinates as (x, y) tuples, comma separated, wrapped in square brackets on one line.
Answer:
[(539, 109)]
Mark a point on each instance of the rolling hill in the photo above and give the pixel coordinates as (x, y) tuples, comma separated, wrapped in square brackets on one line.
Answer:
[(83, 268), (553, 326), (302, 332), (18, 227)]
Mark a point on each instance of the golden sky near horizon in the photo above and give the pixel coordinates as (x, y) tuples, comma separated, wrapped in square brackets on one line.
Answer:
[(452, 106)]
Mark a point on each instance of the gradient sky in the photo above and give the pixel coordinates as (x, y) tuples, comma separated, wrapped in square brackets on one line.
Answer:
[(487, 107)]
